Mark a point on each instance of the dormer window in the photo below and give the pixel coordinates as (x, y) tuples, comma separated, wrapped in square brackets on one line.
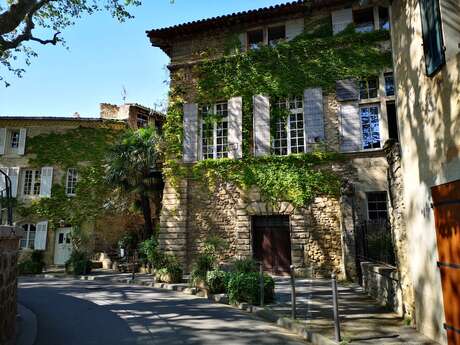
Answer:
[(364, 20), (276, 34), (255, 38)]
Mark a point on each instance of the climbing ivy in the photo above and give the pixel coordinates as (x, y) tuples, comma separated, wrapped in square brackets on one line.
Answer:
[(314, 59)]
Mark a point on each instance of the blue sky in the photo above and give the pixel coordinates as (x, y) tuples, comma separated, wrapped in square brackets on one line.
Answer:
[(103, 57)]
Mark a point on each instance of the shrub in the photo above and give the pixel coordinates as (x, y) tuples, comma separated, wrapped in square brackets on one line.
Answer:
[(245, 266), (78, 263), (149, 249), (244, 287), (32, 263), (171, 272), (217, 281), (203, 263)]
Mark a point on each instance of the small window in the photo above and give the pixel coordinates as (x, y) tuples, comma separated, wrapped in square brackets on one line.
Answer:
[(255, 38), (276, 34), (392, 122), (368, 88), (31, 182), (370, 127), (214, 130), (389, 84), (384, 18), (288, 131), (15, 134), (71, 184), (377, 208), (364, 20), (433, 44), (142, 121), (28, 240)]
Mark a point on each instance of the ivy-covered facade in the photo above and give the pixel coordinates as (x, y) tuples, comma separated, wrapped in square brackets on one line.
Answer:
[(56, 168), (275, 131)]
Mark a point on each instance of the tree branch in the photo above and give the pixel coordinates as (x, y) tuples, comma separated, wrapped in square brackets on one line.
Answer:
[(14, 16), (52, 41)]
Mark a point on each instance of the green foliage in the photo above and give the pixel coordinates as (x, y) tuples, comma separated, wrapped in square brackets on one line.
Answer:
[(129, 242), (217, 280), (246, 265), (78, 263), (171, 270), (245, 287), (32, 265)]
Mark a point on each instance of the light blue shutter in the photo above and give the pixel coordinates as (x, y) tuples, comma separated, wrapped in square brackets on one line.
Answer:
[(341, 19), (2, 140), (235, 127), (46, 181), (22, 141), (350, 127), (261, 125), (314, 115), (190, 132), (294, 28), (13, 173), (40, 235)]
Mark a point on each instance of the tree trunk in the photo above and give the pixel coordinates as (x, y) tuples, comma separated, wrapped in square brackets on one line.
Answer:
[(145, 205)]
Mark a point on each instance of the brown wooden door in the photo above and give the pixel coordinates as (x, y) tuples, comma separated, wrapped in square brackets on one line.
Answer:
[(446, 204), (272, 243)]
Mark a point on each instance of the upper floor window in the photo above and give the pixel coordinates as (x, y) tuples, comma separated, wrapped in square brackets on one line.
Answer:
[(28, 240), (433, 44), (31, 182), (389, 84), (370, 126), (377, 208), (368, 88), (14, 138), (288, 131), (276, 34), (142, 121), (271, 35), (384, 18), (71, 183), (214, 130), (255, 38), (364, 20)]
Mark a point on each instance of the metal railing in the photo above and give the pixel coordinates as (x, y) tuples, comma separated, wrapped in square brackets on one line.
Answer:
[(6, 200)]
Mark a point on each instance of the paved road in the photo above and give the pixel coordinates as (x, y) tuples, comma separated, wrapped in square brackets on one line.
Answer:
[(88, 313)]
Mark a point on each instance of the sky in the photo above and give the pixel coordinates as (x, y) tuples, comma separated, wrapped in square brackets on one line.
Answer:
[(104, 57)]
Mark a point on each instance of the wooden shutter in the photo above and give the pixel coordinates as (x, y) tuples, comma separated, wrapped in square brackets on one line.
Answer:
[(350, 127), (261, 125), (190, 132), (313, 115), (341, 19), (294, 28), (46, 181), (244, 41), (2, 178), (22, 141), (347, 90), (2, 140), (13, 173), (433, 44), (40, 235), (235, 127)]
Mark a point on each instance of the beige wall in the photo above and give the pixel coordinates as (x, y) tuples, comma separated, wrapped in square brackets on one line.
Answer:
[(429, 123)]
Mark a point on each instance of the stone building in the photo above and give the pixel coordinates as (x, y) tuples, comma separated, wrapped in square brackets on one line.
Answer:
[(40, 173), (355, 117)]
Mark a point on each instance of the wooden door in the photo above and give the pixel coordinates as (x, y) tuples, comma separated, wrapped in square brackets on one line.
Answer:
[(446, 204), (272, 243)]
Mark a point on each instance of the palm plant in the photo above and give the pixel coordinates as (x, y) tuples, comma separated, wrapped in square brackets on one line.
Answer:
[(133, 167)]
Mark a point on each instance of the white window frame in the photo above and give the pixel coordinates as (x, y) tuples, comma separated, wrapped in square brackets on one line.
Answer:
[(265, 40), (28, 241), (377, 88), (33, 182), (297, 109), (11, 141), (214, 109), (71, 182), (371, 105)]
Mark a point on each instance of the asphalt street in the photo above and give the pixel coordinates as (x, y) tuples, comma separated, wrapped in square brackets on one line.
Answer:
[(73, 312)]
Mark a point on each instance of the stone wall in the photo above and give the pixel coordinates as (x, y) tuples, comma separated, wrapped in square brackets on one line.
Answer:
[(9, 243)]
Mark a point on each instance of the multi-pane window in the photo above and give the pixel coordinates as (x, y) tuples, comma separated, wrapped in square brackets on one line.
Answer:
[(433, 44), (389, 84), (377, 208), (14, 139), (142, 121), (28, 240), (214, 130), (31, 182), (288, 133), (276, 34), (364, 20), (370, 126), (71, 183), (368, 88), (255, 38)]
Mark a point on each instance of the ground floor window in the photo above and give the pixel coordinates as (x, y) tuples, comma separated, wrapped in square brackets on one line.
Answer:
[(377, 207), (28, 240)]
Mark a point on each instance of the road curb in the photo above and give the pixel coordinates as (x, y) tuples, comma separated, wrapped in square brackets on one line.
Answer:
[(27, 326), (262, 312)]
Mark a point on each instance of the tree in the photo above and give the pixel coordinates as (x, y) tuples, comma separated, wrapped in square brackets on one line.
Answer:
[(20, 19), (133, 166)]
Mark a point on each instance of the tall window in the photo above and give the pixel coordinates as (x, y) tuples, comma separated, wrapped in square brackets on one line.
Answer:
[(368, 88), (384, 18), (71, 183), (28, 240), (14, 140), (289, 135), (377, 208), (433, 44), (389, 84), (370, 126), (31, 182), (214, 130)]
